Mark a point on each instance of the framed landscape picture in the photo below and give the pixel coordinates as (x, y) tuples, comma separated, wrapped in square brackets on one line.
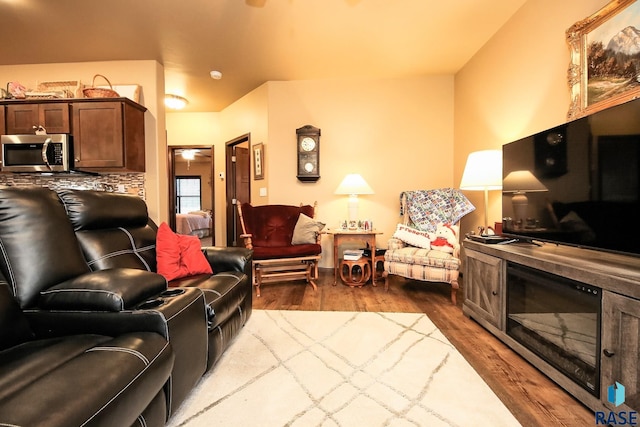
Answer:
[(605, 58)]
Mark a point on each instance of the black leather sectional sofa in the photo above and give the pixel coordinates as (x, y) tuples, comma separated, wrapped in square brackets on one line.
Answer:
[(90, 334)]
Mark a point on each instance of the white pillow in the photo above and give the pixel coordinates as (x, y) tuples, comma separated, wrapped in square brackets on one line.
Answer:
[(412, 236), (306, 230)]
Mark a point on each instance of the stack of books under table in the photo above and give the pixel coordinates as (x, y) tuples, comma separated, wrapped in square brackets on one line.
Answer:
[(352, 254)]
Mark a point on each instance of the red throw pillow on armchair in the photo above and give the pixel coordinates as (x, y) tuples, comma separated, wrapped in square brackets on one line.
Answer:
[(178, 255)]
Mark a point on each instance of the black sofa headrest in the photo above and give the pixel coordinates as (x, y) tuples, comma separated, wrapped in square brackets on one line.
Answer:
[(39, 247), (93, 210)]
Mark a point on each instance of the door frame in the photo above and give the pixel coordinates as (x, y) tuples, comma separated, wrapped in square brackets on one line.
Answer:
[(171, 159), (230, 189)]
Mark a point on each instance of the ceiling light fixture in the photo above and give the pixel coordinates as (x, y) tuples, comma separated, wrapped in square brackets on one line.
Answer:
[(215, 75), (175, 102), (189, 154)]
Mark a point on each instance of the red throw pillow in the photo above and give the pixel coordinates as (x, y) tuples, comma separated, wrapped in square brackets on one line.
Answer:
[(178, 255)]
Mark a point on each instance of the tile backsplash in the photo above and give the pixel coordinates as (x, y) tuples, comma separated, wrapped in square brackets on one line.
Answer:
[(132, 183)]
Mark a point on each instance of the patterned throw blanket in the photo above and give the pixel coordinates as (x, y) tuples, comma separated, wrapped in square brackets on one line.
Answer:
[(428, 208)]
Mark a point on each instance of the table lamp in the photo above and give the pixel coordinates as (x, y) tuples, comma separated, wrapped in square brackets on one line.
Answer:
[(483, 172), (353, 185), (519, 183)]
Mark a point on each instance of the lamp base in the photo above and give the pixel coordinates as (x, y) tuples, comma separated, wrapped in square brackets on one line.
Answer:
[(520, 207), (353, 209)]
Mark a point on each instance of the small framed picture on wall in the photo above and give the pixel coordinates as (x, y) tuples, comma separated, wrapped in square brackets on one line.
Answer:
[(258, 161)]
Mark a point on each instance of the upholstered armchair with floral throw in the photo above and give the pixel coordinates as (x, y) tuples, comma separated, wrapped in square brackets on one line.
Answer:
[(425, 246)]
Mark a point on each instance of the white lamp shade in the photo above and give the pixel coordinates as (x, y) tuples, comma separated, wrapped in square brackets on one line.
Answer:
[(483, 171), (353, 184)]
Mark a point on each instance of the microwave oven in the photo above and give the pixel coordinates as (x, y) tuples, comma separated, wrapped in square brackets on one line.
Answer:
[(36, 153)]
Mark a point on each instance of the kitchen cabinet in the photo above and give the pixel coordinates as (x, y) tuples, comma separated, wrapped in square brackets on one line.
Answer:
[(108, 136), (108, 133), (2, 121), (25, 118)]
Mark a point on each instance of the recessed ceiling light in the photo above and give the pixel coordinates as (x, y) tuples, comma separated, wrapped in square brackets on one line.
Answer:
[(175, 102), (216, 75)]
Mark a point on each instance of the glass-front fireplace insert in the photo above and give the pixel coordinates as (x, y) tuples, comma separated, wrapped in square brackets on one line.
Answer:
[(557, 319)]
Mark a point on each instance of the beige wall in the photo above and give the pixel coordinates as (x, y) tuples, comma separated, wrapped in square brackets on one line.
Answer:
[(515, 85), (202, 129), (398, 134), (247, 115), (150, 76)]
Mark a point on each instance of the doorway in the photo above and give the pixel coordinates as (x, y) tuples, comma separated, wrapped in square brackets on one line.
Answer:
[(238, 186), (191, 192)]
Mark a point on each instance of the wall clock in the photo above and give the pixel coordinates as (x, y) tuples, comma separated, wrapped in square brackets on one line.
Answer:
[(308, 152)]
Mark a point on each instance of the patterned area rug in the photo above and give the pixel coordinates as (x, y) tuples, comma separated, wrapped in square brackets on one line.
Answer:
[(303, 368)]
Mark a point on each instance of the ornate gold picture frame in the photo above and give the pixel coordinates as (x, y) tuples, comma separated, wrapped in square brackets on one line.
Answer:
[(603, 70)]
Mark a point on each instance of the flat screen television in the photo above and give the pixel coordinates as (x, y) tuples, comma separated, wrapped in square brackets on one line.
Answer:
[(578, 183)]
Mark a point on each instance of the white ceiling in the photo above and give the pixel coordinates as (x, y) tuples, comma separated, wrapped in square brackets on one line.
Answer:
[(253, 41)]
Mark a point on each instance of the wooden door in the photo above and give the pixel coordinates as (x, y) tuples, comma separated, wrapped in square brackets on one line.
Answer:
[(242, 176), (241, 185), (238, 185)]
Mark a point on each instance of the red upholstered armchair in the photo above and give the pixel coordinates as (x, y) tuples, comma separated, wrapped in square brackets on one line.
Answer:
[(285, 241)]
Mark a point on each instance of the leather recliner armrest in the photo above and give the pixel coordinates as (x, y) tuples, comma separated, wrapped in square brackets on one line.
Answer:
[(229, 259), (114, 289), (52, 323)]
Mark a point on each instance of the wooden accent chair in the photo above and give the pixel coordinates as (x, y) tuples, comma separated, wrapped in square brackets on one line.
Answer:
[(285, 241), (410, 253)]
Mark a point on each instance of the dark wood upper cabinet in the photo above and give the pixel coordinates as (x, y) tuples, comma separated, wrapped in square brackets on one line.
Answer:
[(108, 133), (3, 130), (108, 136), (25, 118)]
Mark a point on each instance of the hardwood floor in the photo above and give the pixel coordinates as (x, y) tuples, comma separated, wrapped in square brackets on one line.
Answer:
[(534, 399)]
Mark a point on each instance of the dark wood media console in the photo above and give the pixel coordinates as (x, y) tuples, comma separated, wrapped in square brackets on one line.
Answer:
[(615, 277)]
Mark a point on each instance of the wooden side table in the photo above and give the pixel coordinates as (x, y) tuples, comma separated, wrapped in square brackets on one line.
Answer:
[(344, 236)]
